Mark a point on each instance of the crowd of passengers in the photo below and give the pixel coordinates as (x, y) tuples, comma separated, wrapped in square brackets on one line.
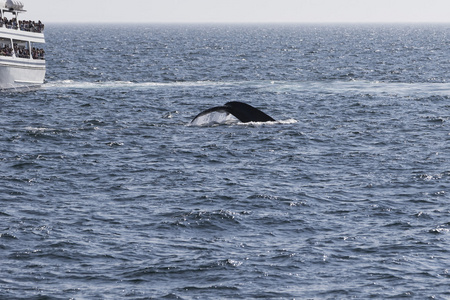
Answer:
[(23, 25), (23, 52)]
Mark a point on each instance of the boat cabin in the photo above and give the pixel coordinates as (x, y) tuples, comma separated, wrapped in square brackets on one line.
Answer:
[(13, 44), (22, 62)]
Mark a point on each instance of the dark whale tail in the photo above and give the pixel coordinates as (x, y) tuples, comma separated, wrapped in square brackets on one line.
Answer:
[(241, 111), (247, 113)]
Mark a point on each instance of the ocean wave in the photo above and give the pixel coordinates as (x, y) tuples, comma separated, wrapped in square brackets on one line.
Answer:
[(417, 89), (234, 121), (72, 84), (284, 122)]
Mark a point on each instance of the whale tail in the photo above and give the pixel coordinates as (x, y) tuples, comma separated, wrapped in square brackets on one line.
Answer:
[(241, 111), (247, 113)]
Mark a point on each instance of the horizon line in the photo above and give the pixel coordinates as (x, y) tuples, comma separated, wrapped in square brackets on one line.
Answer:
[(254, 22)]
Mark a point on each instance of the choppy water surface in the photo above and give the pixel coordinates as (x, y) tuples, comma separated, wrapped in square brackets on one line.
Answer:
[(106, 192)]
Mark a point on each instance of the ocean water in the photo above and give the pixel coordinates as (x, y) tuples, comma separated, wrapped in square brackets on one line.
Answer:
[(106, 192)]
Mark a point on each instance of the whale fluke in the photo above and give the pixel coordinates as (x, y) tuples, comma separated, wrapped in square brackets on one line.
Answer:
[(241, 111)]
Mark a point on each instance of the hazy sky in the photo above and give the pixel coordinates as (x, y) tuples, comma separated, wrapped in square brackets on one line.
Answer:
[(200, 11)]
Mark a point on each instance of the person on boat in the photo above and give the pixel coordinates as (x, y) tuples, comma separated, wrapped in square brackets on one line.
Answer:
[(37, 53), (6, 51)]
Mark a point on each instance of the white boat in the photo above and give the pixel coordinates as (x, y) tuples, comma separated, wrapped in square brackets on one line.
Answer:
[(22, 57)]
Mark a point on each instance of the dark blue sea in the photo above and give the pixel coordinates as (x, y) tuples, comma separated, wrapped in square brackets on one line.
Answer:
[(107, 192)]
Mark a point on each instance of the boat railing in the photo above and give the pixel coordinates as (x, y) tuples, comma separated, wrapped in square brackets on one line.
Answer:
[(30, 26)]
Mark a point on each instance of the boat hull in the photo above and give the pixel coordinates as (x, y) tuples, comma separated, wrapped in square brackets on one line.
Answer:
[(20, 73)]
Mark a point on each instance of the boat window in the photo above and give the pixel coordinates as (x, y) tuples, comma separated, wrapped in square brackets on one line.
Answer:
[(37, 51), (5, 47), (21, 49)]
